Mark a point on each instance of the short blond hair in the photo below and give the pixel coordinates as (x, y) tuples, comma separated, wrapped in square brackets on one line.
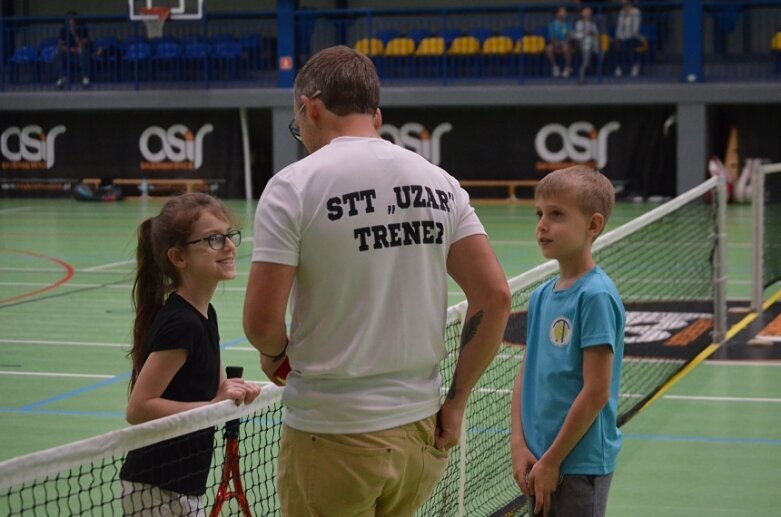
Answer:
[(593, 191)]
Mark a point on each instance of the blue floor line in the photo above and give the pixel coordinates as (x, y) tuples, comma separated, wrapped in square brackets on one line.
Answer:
[(102, 384)]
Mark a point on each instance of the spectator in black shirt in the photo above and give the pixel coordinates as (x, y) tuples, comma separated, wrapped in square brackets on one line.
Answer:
[(73, 47)]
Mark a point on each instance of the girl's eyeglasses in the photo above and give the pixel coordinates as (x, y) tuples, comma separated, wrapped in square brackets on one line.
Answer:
[(217, 241)]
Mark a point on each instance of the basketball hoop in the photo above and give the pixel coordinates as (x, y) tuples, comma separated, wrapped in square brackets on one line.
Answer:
[(154, 19)]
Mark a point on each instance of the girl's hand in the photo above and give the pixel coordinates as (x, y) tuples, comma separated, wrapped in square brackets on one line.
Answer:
[(237, 390)]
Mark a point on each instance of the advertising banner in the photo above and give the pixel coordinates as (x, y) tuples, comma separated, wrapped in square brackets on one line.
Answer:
[(632, 145), (46, 152)]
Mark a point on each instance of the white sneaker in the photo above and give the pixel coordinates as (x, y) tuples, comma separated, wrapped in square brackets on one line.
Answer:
[(635, 70), (85, 82), (567, 72), (556, 71), (618, 72), (60, 82)]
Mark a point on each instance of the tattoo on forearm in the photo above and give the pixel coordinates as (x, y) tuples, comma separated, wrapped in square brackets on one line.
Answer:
[(470, 329)]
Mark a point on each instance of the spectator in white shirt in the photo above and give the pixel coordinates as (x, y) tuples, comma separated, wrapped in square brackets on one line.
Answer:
[(628, 39)]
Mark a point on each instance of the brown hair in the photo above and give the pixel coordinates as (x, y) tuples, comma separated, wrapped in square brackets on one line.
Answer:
[(156, 277), (346, 78), (593, 191)]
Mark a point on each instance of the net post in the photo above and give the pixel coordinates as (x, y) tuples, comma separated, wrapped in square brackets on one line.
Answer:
[(719, 266), (758, 216)]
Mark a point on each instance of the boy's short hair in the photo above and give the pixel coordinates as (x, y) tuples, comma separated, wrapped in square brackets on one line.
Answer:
[(593, 191), (347, 80)]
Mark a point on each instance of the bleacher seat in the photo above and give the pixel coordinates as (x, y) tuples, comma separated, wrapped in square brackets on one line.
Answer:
[(222, 37), (775, 48), (24, 59), (497, 45), (429, 57), (106, 56), (402, 46), (530, 44), (372, 47), (227, 59), (431, 46), (464, 46)]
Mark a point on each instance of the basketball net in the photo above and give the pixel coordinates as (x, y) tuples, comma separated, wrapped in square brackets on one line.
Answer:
[(156, 21)]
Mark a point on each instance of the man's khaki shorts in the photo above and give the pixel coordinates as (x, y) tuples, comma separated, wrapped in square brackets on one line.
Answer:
[(390, 472)]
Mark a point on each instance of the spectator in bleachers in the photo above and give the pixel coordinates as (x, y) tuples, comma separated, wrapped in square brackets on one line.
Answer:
[(628, 38), (74, 43), (559, 42), (587, 35)]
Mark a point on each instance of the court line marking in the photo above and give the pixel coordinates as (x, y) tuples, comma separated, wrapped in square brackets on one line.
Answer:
[(58, 374), (69, 271), (17, 209), (701, 439), (84, 389), (63, 343), (107, 266)]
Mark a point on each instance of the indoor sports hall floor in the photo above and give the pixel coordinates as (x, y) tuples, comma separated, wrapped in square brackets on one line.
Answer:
[(710, 446)]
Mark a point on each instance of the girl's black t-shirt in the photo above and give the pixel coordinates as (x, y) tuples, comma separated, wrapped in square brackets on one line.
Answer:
[(181, 464)]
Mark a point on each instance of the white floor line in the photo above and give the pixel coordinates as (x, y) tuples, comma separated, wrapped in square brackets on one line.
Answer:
[(108, 266), (17, 209), (56, 374), (755, 364), (723, 399), (62, 343)]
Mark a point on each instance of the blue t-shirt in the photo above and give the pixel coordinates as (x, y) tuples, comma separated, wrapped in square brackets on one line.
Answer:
[(558, 30), (560, 325)]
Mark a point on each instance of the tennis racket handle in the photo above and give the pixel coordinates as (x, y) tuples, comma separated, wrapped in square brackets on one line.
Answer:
[(281, 372), (234, 372)]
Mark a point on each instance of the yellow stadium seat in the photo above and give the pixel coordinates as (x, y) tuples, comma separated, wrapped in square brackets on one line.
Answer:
[(431, 46), (464, 46), (370, 46), (530, 45), (400, 47), (605, 40), (775, 44), (497, 45)]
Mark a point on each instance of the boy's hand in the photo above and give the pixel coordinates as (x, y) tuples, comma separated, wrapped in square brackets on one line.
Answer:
[(543, 481), (523, 461)]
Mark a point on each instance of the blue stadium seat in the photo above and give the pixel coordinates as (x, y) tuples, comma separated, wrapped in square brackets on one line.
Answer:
[(227, 59), (24, 59), (223, 37), (136, 60), (106, 56)]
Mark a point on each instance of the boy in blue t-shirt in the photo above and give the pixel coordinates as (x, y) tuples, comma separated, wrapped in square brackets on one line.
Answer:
[(564, 434)]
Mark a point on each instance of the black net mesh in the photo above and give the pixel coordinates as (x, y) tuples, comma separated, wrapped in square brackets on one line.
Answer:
[(771, 248)]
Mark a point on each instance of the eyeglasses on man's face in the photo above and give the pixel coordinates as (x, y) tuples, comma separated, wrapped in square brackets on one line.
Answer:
[(217, 240), (293, 126)]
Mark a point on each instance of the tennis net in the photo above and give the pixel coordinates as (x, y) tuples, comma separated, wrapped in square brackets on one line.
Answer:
[(668, 266), (766, 207)]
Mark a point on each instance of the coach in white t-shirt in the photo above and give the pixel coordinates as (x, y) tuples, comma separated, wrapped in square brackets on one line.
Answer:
[(364, 234)]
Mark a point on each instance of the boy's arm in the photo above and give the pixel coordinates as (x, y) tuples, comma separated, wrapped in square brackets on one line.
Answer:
[(523, 459), (597, 372)]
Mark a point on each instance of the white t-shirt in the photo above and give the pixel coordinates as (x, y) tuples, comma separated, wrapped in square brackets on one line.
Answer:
[(369, 225)]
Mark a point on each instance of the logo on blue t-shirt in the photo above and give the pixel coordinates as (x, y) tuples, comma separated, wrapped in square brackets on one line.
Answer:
[(560, 331)]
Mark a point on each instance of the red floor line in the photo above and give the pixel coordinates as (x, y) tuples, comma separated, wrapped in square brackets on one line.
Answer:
[(68, 274)]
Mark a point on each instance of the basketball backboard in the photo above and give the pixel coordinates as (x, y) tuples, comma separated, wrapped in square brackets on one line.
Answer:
[(180, 9)]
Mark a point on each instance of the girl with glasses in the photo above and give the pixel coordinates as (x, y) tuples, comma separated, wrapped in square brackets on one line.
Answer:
[(182, 254)]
